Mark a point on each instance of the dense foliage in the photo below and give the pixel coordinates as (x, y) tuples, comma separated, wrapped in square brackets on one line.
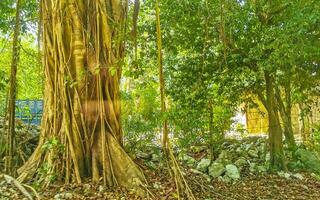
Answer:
[(29, 74)]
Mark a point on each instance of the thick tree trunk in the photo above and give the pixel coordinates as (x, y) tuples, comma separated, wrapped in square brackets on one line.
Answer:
[(12, 95), (81, 136), (275, 131)]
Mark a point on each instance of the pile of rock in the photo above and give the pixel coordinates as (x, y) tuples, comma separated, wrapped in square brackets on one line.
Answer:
[(234, 158), (26, 138), (248, 156)]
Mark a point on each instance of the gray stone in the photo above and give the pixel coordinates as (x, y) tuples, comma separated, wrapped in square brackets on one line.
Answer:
[(261, 148), (34, 133), (87, 187), (58, 196), (143, 155), (267, 159), (188, 159), (151, 165), (225, 161), (284, 174), (157, 185), (261, 140), (253, 153), (203, 164), (68, 195), (287, 175), (233, 172), (223, 155), (252, 166), (101, 188), (261, 168), (241, 162), (298, 176), (226, 144), (197, 149), (155, 157), (216, 169), (195, 171), (246, 146)]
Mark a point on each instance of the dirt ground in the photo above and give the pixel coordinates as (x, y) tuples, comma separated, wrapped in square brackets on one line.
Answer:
[(161, 186)]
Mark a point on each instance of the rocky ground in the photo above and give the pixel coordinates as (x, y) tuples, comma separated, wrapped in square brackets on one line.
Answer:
[(237, 170), (26, 138), (263, 186)]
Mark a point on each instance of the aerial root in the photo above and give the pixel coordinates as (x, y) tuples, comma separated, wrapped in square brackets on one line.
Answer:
[(179, 179)]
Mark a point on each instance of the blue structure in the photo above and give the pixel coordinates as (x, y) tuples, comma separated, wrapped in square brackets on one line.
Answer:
[(29, 111)]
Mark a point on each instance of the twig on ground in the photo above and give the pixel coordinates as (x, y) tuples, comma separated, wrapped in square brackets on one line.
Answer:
[(12, 181), (33, 190)]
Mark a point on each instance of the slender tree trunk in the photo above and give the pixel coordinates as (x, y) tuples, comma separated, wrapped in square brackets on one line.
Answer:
[(174, 168), (161, 79), (135, 14), (211, 131), (275, 131), (81, 135), (12, 94), (285, 113), (304, 124)]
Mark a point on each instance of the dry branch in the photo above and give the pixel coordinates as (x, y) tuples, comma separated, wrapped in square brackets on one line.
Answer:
[(10, 180)]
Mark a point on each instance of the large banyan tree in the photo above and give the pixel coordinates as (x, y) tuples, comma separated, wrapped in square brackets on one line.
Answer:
[(83, 50)]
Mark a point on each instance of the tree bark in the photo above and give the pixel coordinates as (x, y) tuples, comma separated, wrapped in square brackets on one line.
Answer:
[(211, 129), (304, 124), (81, 135), (275, 131), (165, 130), (285, 113), (12, 94)]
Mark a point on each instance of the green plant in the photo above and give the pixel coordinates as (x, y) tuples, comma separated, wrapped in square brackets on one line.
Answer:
[(53, 144), (316, 138)]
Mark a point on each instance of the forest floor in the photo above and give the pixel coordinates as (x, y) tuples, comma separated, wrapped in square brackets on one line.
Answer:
[(255, 187), (254, 183)]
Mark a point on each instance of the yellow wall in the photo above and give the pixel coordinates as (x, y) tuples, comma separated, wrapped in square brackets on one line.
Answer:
[(257, 118)]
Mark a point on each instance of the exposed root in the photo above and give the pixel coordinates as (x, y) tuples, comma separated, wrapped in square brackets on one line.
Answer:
[(33, 190), (180, 181), (124, 171), (127, 173)]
